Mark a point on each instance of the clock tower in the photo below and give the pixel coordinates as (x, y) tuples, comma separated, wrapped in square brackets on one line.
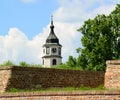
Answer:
[(52, 49)]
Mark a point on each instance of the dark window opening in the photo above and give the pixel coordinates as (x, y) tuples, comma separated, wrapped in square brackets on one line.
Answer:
[(59, 51), (54, 62)]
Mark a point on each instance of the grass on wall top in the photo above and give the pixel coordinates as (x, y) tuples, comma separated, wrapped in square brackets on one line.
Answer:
[(24, 64), (55, 89)]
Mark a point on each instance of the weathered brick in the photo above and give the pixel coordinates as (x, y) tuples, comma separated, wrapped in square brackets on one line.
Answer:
[(32, 78), (112, 75)]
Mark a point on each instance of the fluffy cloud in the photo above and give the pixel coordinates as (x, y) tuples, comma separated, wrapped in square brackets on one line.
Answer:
[(71, 14), (77, 11), (16, 47)]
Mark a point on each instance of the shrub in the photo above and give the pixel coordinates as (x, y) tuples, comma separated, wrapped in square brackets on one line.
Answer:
[(7, 63)]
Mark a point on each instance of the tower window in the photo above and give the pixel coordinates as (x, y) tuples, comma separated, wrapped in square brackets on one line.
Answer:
[(54, 62), (47, 50), (59, 51)]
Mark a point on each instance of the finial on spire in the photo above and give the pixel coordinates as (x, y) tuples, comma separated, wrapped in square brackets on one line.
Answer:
[(51, 19), (52, 26)]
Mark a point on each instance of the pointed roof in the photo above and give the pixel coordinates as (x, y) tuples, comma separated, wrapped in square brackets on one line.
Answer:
[(52, 38)]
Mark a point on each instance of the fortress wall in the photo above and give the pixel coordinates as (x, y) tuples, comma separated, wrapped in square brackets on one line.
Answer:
[(36, 78), (5, 76), (112, 75)]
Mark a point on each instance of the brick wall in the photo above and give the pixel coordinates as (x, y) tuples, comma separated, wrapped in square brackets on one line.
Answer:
[(32, 78), (112, 75), (81, 95), (5, 76)]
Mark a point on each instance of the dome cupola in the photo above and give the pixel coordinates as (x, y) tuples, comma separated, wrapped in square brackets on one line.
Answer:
[(52, 38)]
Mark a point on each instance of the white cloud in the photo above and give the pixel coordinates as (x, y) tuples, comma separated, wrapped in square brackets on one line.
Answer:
[(16, 47), (80, 10), (29, 1)]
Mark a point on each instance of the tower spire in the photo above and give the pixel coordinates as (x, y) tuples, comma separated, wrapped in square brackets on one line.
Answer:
[(52, 26), (52, 38)]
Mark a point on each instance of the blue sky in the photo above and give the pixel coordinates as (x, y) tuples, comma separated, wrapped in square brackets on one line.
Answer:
[(29, 16), (25, 25)]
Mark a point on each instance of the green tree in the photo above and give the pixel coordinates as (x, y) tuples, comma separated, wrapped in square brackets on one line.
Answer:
[(71, 61), (100, 41)]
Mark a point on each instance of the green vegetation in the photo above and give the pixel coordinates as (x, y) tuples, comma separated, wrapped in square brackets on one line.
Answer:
[(66, 66), (22, 64), (57, 89), (7, 63), (71, 61), (101, 41)]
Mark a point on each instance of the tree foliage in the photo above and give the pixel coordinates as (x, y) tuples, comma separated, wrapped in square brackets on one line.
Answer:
[(100, 41), (71, 61)]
